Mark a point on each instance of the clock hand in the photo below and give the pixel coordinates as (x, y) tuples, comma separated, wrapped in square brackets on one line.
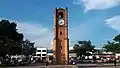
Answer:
[(61, 22)]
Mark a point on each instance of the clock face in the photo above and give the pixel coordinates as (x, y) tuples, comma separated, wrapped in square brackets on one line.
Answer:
[(61, 22)]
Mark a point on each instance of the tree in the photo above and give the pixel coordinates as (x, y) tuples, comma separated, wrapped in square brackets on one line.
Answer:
[(113, 46), (109, 46), (28, 47), (117, 38), (11, 41), (8, 30), (9, 38), (82, 48)]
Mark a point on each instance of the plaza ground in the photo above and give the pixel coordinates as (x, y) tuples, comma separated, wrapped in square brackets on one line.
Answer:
[(103, 65), (111, 65), (100, 67), (53, 67)]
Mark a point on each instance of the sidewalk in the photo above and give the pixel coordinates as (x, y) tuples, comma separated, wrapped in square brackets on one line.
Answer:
[(97, 65), (61, 66)]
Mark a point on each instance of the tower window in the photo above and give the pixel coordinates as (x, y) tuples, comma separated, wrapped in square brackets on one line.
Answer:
[(60, 32), (60, 15), (61, 47)]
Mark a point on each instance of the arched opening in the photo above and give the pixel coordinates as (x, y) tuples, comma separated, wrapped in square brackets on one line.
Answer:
[(60, 15), (60, 32)]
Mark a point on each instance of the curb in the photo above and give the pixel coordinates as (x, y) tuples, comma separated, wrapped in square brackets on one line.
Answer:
[(99, 66)]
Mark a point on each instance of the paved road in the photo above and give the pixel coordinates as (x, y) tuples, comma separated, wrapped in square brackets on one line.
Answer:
[(28, 67), (100, 67), (97, 65), (50, 66), (78, 65)]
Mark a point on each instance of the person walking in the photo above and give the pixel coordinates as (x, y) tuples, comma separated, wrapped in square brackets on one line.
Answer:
[(115, 62), (46, 65)]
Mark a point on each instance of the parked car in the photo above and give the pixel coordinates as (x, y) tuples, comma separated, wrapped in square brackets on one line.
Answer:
[(73, 62), (24, 61), (1, 59), (13, 61)]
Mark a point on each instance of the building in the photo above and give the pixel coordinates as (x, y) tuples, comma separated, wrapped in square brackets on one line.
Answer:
[(50, 55), (61, 40), (99, 50), (41, 52), (50, 52), (72, 54)]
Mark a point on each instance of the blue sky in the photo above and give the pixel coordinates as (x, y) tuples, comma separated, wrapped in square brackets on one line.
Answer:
[(95, 20)]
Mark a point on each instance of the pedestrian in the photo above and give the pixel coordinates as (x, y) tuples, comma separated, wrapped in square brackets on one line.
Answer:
[(46, 64), (115, 62)]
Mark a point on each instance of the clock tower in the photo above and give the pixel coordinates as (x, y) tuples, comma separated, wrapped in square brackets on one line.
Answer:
[(61, 41)]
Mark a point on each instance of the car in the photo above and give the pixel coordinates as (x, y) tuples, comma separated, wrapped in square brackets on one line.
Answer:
[(23, 61), (73, 62), (1, 61)]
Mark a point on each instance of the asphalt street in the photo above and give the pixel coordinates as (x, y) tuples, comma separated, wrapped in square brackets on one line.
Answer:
[(77, 65), (53, 67), (99, 67), (111, 65), (28, 67), (98, 64)]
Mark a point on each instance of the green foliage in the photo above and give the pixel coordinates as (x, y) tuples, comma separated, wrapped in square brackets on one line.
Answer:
[(117, 38), (8, 30), (113, 46), (82, 47), (28, 47), (11, 42), (9, 38)]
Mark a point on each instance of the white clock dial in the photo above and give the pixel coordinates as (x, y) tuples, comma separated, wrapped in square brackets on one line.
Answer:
[(61, 22)]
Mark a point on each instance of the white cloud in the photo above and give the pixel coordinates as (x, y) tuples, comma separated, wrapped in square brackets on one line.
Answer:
[(37, 33), (114, 22), (98, 4), (42, 36)]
